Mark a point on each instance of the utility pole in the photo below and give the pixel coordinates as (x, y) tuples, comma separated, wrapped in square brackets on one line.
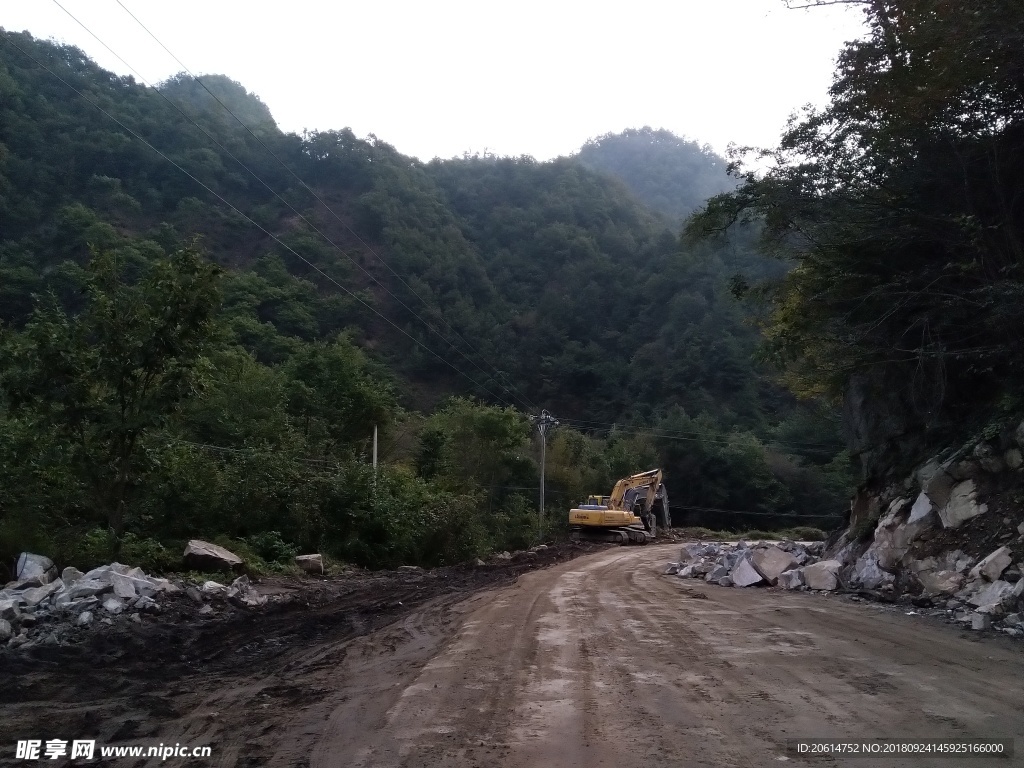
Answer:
[(544, 423), (375, 451)]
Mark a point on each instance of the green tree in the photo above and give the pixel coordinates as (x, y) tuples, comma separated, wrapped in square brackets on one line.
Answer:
[(107, 378), (898, 204)]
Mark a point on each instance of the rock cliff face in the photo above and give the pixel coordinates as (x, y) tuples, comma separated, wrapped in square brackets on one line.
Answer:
[(951, 534)]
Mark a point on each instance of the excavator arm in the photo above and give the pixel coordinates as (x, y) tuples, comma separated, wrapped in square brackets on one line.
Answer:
[(650, 479)]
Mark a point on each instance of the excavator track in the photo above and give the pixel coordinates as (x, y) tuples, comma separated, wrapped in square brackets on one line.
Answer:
[(613, 536)]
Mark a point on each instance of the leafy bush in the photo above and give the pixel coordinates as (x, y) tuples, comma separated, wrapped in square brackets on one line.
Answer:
[(271, 548)]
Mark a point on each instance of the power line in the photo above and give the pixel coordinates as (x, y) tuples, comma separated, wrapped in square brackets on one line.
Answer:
[(252, 450), (274, 192), (508, 386), (794, 515), (255, 224), (688, 437), (682, 433)]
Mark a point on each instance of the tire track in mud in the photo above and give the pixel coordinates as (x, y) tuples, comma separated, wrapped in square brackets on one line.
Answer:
[(604, 661)]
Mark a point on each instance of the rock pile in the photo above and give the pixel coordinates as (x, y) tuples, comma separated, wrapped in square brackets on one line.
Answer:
[(988, 595), (786, 564), (40, 607), (39, 595), (934, 538)]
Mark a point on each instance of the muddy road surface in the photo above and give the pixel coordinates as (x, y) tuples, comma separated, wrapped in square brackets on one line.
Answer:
[(597, 661)]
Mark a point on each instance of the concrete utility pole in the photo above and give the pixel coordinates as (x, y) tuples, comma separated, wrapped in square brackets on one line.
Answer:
[(544, 423)]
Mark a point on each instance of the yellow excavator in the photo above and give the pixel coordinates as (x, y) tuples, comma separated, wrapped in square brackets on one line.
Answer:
[(627, 515)]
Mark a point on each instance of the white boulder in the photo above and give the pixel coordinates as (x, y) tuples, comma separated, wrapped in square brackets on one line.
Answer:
[(962, 505), (86, 588), (823, 575), (993, 594), (204, 556), (992, 567), (940, 582), (745, 575), (123, 586), (242, 591), (315, 563), (113, 605), (791, 579), (39, 594), (771, 562), (35, 567), (868, 573)]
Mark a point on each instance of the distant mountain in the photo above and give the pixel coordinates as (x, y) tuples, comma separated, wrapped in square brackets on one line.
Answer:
[(670, 174), (351, 272), (215, 91), (554, 270)]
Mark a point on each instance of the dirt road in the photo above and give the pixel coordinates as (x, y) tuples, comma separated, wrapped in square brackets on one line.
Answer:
[(601, 661)]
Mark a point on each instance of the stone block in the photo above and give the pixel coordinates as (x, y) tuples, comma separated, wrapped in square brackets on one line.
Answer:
[(940, 582), (791, 579), (38, 595), (868, 573), (989, 458), (9, 609), (204, 556), (113, 605), (31, 566), (939, 487), (716, 573), (823, 575), (770, 562), (690, 552), (315, 563), (745, 575), (992, 594), (123, 586), (87, 588), (962, 505), (992, 567)]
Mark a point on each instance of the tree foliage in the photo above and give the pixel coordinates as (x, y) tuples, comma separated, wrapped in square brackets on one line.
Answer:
[(899, 204), (102, 381)]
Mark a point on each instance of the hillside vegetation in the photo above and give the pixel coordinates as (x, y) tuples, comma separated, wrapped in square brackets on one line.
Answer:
[(203, 319), (899, 205)]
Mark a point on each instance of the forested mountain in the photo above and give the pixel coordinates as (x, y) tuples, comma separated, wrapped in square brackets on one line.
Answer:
[(353, 286), (670, 174)]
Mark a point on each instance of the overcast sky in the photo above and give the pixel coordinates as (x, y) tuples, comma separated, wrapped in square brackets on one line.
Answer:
[(440, 77)]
